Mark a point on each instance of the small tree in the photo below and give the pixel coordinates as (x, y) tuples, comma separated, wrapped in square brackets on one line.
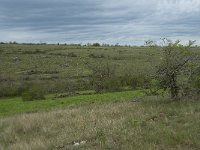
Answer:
[(174, 61), (96, 44)]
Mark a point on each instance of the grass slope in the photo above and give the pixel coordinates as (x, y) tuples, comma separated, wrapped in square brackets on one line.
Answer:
[(150, 124)]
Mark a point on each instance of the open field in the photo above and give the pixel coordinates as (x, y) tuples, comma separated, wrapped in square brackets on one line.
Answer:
[(73, 112), (58, 68), (149, 124), (61, 67), (99, 75)]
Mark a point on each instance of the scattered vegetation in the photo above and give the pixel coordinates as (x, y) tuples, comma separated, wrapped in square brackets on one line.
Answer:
[(38, 81), (60, 69)]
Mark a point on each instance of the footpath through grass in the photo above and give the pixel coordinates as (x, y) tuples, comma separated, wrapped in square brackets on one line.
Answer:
[(10, 106)]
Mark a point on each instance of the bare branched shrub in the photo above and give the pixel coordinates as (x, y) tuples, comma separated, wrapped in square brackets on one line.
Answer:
[(172, 73)]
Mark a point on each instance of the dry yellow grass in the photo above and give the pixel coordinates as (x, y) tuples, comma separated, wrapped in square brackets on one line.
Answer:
[(115, 125)]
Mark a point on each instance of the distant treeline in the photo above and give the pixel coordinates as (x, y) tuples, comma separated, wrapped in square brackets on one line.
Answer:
[(67, 44), (146, 44)]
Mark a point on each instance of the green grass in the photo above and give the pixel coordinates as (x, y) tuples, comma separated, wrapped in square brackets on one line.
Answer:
[(105, 121), (152, 123), (52, 67), (10, 106)]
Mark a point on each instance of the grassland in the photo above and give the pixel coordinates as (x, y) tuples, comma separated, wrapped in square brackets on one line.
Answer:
[(60, 67), (149, 124), (14, 105), (119, 120)]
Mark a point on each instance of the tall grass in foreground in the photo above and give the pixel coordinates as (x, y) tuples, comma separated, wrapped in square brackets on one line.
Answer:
[(149, 124)]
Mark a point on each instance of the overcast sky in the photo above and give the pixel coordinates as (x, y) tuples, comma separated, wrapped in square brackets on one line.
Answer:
[(105, 21)]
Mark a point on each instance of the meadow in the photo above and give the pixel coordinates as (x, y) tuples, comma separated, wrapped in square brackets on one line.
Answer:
[(75, 116), (61, 67), (146, 123)]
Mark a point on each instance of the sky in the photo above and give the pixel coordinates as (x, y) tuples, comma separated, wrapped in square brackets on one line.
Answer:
[(128, 22)]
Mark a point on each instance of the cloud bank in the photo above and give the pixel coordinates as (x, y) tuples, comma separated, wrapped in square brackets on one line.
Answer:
[(114, 21)]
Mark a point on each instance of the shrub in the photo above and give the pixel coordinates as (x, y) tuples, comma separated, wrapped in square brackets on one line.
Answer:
[(191, 88), (71, 54), (8, 87), (103, 78), (112, 84), (174, 67), (195, 79), (33, 93), (139, 81)]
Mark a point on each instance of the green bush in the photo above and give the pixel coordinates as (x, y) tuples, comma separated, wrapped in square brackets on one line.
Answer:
[(112, 84), (103, 78), (196, 81), (191, 88), (136, 81), (71, 54), (33, 93), (8, 88)]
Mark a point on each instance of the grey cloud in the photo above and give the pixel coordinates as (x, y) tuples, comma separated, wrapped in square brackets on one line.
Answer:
[(113, 21)]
